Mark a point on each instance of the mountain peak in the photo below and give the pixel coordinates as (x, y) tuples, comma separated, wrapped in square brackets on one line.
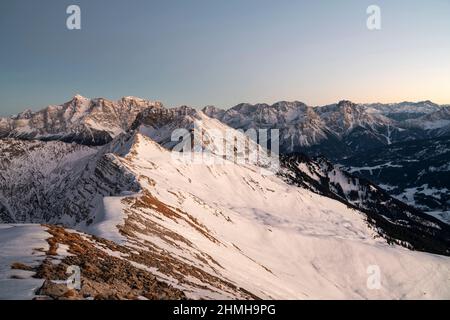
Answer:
[(132, 98), (210, 108), (79, 97), (293, 104), (26, 114), (82, 120), (346, 103)]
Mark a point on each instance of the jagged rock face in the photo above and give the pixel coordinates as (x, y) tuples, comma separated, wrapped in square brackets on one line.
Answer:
[(201, 133), (356, 129), (32, 174), (332, 130), (299, 124), (159, 124), (338, 130), (341, 118), (81, 120), (57, 182), (436, 124), (404, 110)]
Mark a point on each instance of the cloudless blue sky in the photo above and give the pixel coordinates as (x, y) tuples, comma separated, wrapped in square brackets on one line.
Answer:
[(223, 52)]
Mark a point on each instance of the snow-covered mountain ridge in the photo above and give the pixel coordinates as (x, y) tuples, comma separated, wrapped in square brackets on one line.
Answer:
[(342, 129), (81, 120), (359, 136), (165, 227), (222, 231)]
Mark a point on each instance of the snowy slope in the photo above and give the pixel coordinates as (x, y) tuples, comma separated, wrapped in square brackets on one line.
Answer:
[(437, 122), (24, 244), (404, 110), (229, 221), (57, 182), (32, 175), (227, 228), (396, 221)]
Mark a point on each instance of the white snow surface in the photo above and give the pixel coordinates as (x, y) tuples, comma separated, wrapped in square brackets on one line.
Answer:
[(276, 240), (111, 215), (20, 243)]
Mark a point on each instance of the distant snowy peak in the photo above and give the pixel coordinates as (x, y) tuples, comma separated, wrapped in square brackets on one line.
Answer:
[(404, 110), (213, 111), (346, 115), (302, 127), (298, 123), (397, 220), (337, 130), (81, 120), (438, 121), (249, 115)]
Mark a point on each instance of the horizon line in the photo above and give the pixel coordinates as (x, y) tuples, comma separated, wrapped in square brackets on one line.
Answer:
[(38, 109)]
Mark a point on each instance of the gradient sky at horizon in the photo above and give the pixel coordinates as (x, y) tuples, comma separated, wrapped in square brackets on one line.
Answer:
[(223, 52)]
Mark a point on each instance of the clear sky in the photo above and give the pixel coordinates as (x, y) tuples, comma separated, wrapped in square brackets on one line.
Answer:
[(223, 52)]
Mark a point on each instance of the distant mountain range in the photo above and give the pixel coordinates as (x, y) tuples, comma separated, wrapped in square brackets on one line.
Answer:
[(340, 130), (403, 147), (336, 131)]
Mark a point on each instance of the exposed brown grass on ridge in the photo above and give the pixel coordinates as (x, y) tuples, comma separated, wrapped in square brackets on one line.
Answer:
[(21, 266), (175, 267), (102, 276), (109, 277), (147, 200)]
